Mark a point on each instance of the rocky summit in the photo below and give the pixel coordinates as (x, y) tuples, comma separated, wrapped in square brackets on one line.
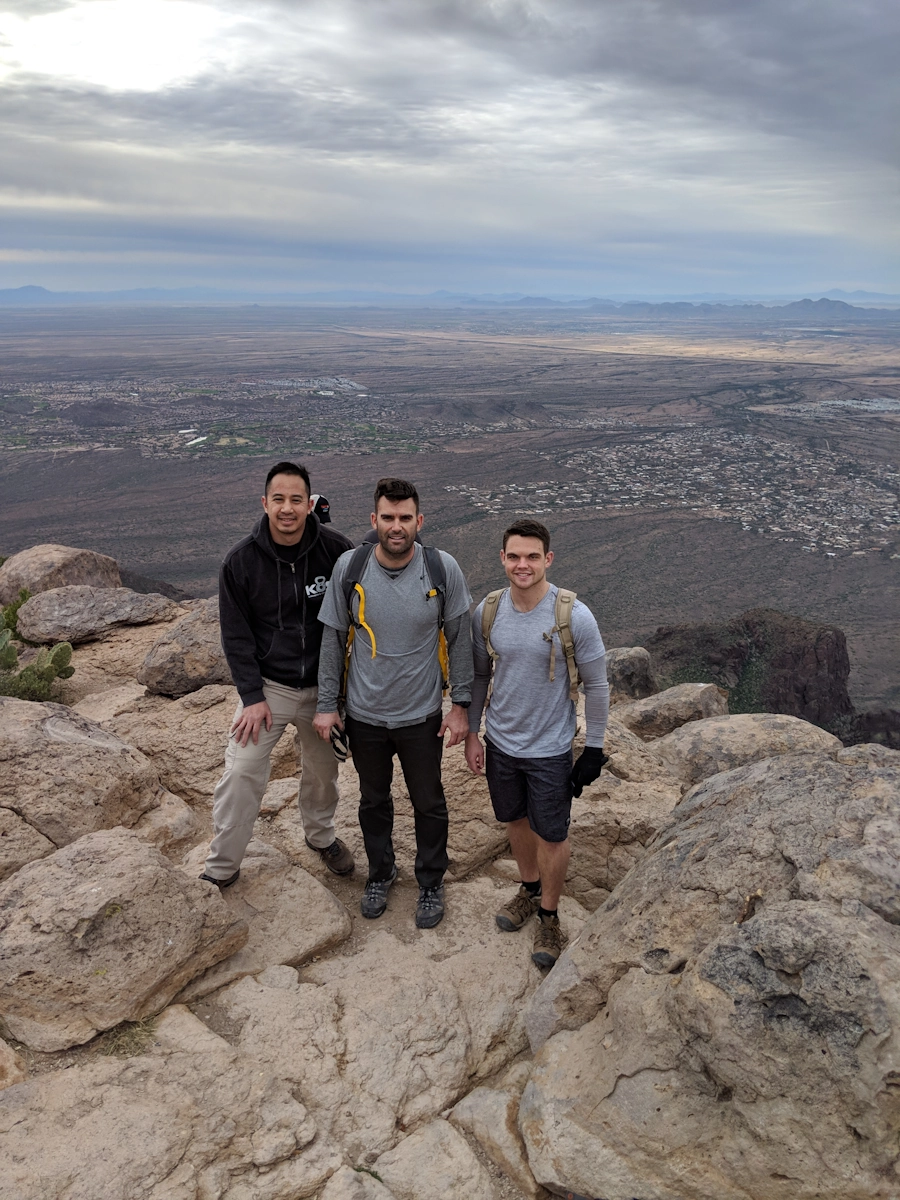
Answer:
[(724, 1024)]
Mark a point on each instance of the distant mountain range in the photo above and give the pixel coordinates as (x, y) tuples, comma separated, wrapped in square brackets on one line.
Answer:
[(832, 304)]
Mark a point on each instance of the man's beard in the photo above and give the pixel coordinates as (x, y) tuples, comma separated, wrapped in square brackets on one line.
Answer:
[(395, 550)]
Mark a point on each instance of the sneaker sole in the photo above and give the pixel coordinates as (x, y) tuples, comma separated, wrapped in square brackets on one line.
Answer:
[(543, 959), (429, 922), (507, 924)]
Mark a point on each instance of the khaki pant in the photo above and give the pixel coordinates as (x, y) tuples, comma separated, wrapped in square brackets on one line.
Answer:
[(239, 792)]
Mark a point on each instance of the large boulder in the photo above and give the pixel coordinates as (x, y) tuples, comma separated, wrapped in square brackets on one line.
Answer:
[(434, 1163), (187, 656), (185, 739), (64, 776), (104, 930), (291, 917), (114, 662), (20, 843), (377, 1041), (704, 748), (190, 1118), (81, 613), (44, 567), (630, 674), (728, 1024), (660, 714)]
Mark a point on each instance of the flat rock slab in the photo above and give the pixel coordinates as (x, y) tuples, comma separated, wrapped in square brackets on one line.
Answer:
[(47, 566), (185, 739), (187, 656), (190, 1118), (19, 843), (355, 1184), (291, 917), (434, 1163), (104, 930), (66, 776), (658, 715), (380, 1040), (82, 614), (704, 748), (728, 1023)]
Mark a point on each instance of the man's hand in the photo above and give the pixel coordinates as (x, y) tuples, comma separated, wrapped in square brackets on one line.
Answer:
[(457, 722), (323, 722), (474, 754), (587, 768), (250, 721)]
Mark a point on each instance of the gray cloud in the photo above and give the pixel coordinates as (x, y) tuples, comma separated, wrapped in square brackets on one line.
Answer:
[(556, 140)]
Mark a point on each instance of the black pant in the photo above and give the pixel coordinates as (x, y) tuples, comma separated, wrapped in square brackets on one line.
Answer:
[(419, 749)]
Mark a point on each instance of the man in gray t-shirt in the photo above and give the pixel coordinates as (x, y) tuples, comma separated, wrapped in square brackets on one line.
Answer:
[(530, 725), (397, 611)]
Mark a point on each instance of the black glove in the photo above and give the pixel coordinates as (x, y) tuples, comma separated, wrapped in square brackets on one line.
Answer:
[(587, 768)]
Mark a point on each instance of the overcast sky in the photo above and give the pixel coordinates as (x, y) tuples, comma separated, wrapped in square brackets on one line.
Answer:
[(545, 146)]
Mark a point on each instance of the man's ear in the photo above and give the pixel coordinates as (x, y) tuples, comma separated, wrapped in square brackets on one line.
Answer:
[(419, 519), (549, 557), (374, 520)]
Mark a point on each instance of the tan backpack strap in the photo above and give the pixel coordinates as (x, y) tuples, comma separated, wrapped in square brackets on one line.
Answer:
[(488, 616), (565, 601)]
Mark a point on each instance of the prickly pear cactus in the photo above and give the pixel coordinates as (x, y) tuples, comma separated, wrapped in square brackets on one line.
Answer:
[(9, 658), (34, 682)]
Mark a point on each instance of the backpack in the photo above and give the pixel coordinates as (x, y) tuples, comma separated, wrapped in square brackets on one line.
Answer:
[(434, 565), (562, 617)]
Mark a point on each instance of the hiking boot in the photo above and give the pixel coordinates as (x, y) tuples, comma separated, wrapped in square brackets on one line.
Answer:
[(336, 857), (222, 883), (374, 898), (430, 909), (523, 905), (549, 942)]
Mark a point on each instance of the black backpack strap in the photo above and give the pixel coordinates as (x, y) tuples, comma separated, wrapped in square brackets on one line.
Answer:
[(354, 573), (434, 565)]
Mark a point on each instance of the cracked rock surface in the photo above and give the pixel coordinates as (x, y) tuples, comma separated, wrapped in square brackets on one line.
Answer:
[(727, 1025)]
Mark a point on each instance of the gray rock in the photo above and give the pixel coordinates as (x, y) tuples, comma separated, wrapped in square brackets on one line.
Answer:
[(48, 566), (676, 706), (64, 776), (434, 1163), (80, 613), (103, 931), (187, 656), (704, 748), (630, 673), (491, 1117), (728, 1024), (290, 915), (191, 1118)]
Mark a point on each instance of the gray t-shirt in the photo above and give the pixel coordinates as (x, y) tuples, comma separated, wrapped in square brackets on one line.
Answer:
[(401, 685), (528, 716)]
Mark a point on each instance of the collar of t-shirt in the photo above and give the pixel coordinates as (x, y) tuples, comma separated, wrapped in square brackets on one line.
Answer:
[(394, 572)]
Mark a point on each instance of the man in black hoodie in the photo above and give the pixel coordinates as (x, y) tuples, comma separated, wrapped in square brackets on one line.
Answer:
[(271, 587)]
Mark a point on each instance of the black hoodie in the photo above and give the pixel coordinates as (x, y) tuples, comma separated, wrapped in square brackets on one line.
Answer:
[(269, 607)]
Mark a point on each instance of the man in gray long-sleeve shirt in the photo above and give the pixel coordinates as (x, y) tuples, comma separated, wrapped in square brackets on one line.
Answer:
[(397, 609), (530, 725)]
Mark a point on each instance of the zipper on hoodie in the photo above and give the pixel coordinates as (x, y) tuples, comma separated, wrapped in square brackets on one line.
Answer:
[(302, 613)]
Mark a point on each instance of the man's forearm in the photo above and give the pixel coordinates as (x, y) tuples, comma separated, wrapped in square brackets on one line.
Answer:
[(459, 652), (331, 668), (596, 700)]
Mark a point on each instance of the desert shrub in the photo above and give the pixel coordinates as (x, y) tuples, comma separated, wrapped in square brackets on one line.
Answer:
[(36, 680), (11, 612)]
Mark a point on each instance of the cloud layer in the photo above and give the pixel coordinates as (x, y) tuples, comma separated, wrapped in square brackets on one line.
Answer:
[(554, 145)]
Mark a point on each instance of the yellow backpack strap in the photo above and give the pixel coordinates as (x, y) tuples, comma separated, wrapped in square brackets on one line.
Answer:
[(565, 601), (361, 615)]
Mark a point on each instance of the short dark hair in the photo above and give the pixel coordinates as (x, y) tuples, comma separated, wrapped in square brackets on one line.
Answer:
[(527, 528), (288, 468), (395, 489)]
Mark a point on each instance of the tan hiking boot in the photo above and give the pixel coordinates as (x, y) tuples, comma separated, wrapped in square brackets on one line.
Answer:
[(523, 905), (549, 942)]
